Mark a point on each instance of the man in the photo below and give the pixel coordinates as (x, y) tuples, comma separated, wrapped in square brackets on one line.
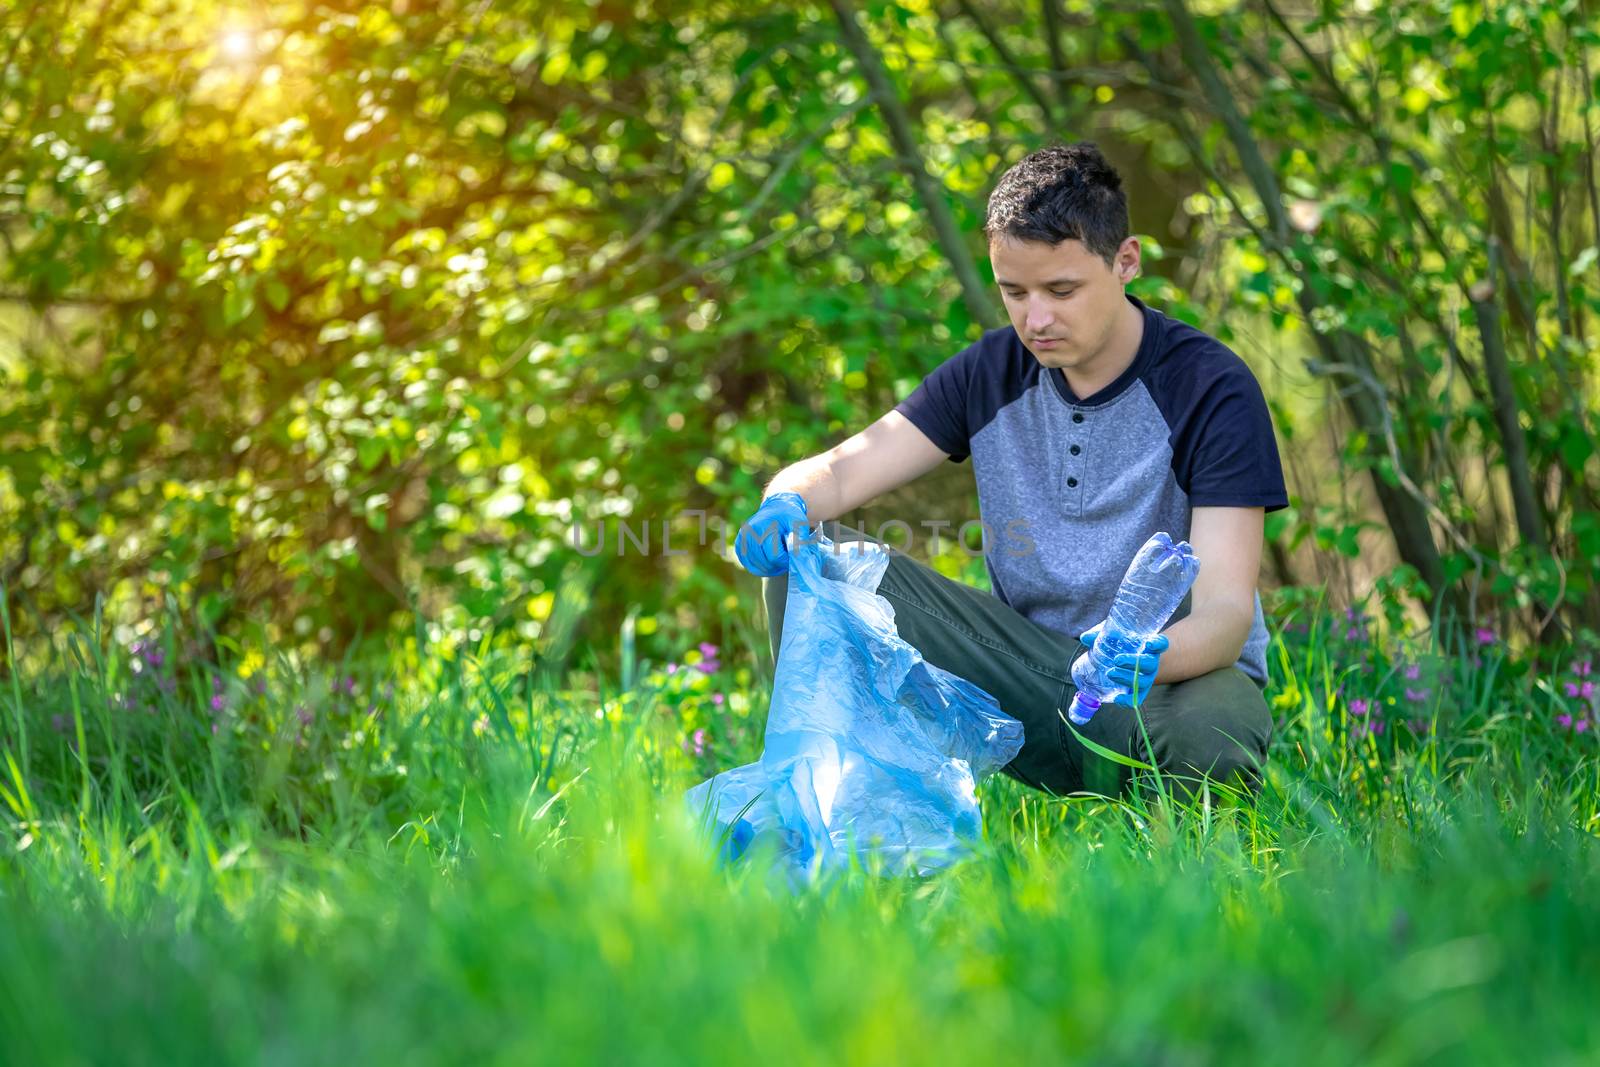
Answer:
[(1092, 421)]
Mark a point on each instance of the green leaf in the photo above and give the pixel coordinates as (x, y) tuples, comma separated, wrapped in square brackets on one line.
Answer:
[(1280, 522), (369, 451), (1576, 448), (1102, 751), (237, 306), (1347, 541), (277, 294)]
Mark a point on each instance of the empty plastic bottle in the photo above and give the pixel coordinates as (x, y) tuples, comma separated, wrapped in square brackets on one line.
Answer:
[(1156, 583)]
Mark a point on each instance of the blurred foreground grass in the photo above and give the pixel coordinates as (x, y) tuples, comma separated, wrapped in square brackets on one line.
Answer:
[(449, 858)]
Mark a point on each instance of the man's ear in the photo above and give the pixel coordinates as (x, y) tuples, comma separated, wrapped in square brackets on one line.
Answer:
[(1128, 260)]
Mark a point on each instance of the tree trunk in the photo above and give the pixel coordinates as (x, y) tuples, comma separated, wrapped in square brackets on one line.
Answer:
[(1501, 389)]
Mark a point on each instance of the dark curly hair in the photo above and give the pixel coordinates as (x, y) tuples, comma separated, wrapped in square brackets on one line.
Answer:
[(1063, 192)]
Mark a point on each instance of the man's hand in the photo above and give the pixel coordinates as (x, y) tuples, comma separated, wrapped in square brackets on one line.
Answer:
[(762, 545), (1133, 671)]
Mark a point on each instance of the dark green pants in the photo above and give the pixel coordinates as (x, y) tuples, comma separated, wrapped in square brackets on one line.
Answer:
[(1215, 725)]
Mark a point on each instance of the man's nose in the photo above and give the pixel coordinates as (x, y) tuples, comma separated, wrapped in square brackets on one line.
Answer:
[(1037, 318)]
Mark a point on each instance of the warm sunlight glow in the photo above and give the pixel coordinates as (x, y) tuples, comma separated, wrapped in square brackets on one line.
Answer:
[(238, 43)]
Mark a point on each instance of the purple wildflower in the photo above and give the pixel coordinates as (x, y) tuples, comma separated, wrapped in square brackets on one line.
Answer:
[(304, 715), (1582, 668), (261, 685), (1580, 726), (1572, 689), (1564, 721), (1352, 634), (717, 698), (1369, 727), (1485, 636), (672, 668), (708, 666), (218, 703), (1413, 672), (350, 686), (1358, 706), (1415, 695)]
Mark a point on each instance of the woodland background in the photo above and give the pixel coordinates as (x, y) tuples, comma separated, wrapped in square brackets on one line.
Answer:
[(341, 319)]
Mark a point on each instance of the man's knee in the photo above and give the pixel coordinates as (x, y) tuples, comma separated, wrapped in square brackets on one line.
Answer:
[(1217, 730), (1194, 757)]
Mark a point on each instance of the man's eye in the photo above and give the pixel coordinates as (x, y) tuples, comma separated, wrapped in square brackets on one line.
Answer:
[(1058, 292)]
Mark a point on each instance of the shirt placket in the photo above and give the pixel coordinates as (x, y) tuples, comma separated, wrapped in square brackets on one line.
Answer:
[(1073, 479)]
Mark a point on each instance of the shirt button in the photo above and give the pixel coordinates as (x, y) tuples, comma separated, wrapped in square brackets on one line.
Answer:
[(1072, 483), (1075, 450), (1077, 416)]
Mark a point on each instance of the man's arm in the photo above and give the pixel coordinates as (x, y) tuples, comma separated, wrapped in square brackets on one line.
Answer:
[(1223, 605), (884, 456)]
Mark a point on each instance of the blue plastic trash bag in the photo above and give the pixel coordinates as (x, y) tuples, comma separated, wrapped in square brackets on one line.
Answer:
[(868, 747)]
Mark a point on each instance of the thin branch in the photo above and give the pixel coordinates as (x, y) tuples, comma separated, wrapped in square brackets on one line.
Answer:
[(1364, 378), (1588, 138), (931, 192), (1051, 12), (1023, 75), (1506, 411)]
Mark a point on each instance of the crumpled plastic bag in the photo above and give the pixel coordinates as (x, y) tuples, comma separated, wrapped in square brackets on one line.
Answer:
[(869, 749)]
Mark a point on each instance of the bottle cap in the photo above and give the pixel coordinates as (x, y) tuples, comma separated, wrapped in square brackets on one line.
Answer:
[(1082, 708)]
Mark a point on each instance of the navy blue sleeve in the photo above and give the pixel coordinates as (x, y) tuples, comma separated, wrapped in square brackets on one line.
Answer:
[(1228, 456), (940, 406)]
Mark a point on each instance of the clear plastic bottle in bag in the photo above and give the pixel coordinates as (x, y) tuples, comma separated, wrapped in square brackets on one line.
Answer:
[(1156, 582)]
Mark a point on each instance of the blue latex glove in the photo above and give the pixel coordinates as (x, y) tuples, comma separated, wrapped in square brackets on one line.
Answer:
[(762, 545), (1145, 663)]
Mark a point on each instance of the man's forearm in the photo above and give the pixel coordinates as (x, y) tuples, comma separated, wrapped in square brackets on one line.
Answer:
[(1205, 641), (813, 479)]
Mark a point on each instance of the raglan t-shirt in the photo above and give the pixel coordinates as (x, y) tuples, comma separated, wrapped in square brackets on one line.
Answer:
[(1070, 487)]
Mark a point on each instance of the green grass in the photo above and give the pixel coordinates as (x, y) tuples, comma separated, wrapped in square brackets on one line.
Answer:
[(485, 866)]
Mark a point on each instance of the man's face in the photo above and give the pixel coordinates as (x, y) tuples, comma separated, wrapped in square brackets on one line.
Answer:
[(1064, 300)]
